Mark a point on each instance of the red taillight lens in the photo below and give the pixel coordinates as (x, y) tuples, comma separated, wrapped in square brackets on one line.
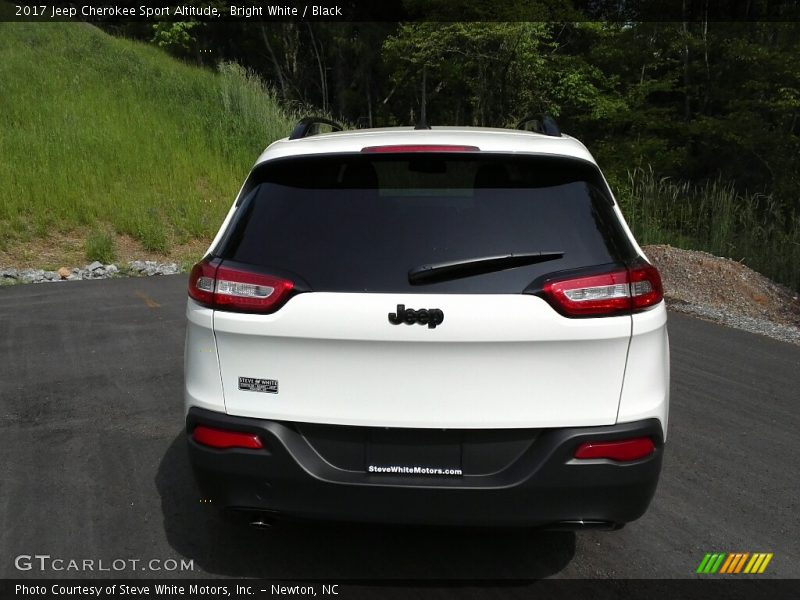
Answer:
[(646, 288), (201, 283), (233, 289), (219, 438), (594, 295), (242, 290), (616, 292), (622, 450), (420, 148)]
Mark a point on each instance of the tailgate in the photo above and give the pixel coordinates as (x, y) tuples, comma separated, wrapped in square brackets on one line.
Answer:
[(496, 361)]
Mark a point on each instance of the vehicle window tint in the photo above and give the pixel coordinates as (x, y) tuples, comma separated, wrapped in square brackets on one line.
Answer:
[(356, 223)]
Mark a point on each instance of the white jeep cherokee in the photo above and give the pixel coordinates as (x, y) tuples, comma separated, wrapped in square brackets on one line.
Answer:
[(445, 326)]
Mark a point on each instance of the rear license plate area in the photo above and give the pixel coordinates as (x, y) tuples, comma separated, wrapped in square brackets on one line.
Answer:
[(414, 452)]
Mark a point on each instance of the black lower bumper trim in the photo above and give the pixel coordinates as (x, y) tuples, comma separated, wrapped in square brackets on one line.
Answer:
[(544, 485)]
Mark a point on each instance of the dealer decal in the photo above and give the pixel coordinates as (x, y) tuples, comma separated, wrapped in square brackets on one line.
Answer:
[(413, 470), (254, 384)]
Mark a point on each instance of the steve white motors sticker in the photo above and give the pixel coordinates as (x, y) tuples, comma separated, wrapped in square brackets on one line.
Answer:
[(254, 384)]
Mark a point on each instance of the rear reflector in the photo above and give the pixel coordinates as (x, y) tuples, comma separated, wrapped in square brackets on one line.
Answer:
[(233, 289), (219, 438), (420, 148), (622, 450), (617, 292)]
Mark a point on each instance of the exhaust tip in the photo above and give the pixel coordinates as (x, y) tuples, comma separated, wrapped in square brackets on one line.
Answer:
[(261, 524), (581, 525)]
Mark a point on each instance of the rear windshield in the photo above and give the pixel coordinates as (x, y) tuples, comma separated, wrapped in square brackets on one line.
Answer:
[(359, 223)]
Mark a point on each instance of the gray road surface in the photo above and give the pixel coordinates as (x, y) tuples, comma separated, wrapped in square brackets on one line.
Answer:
[(93, 464)]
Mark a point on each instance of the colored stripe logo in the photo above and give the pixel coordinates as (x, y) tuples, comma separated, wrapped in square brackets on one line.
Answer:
[(734, 563)]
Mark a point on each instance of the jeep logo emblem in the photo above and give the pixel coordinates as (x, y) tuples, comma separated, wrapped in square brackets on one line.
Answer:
[(424, 316)]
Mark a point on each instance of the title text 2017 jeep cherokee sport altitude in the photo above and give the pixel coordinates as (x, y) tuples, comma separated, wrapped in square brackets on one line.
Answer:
[(445, 326)]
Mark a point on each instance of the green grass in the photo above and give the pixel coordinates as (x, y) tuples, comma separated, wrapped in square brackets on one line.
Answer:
[(100, 246), (101, 130), (752, 228)]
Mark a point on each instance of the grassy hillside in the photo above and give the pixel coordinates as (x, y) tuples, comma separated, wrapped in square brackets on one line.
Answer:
[(751, 228), (109, 136)]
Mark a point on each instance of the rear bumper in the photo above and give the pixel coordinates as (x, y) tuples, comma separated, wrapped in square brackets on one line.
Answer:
[(542, 485)]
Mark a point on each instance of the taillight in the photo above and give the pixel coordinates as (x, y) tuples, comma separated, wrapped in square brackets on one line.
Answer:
[(646, 288), (621, 450), (420, 148), (616, 292), (201, 282), (222, 439), (594, 295), (226, 288)]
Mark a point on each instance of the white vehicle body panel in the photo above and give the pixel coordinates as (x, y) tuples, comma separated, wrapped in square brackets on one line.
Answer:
[(645, 393), (203, 385), (495, 362)]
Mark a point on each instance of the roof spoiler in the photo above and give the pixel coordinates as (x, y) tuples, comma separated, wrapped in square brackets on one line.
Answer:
[(308, 126)]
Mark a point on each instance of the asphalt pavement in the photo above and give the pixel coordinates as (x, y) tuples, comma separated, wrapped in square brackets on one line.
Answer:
[(93, 463)]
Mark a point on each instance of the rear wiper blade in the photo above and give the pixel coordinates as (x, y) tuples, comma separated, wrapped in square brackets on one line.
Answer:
[(456, 269)]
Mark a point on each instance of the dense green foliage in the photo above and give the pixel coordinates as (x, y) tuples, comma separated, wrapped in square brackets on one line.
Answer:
[(702, 103), (695, 100), (713, 216), (98, 129)]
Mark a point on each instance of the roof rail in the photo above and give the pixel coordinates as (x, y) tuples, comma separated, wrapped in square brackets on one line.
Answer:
[(310, 126), (540, 124)]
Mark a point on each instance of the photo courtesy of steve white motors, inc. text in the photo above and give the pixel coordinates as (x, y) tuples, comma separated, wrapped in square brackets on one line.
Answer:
[(172, 590)]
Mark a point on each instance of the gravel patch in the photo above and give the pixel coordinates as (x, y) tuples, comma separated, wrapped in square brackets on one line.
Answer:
[(727, 292), (95, 270)]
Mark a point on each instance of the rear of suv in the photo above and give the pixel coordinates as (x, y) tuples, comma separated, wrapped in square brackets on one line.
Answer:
[(447, 326)]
